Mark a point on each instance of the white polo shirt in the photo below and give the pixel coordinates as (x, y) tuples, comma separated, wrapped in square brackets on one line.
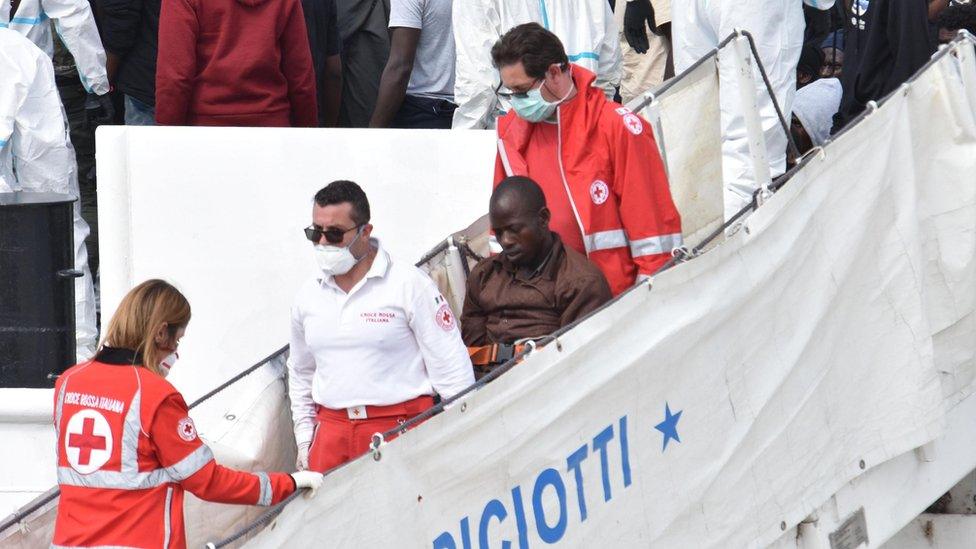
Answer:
[(392, 338)]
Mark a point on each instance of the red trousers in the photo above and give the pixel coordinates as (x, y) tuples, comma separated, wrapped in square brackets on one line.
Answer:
[(339, 439)]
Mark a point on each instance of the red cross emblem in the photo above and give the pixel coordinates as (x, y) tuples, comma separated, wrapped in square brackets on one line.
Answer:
[(445, 318), (599, 192), (186, 429), (86, 441), (633, 124)]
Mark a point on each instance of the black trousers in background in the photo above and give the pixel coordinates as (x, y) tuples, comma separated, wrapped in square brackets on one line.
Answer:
[(73, 97), (365, 49), (424, 113)]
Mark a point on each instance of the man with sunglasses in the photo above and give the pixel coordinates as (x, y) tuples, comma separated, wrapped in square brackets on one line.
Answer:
[(372, 339), (596, 161)]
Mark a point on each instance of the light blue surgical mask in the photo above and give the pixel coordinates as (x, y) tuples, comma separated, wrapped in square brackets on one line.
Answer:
[(532, 107), (822, 5)]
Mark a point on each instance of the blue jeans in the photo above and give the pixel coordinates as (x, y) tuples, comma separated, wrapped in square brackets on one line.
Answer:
[(138, 113)]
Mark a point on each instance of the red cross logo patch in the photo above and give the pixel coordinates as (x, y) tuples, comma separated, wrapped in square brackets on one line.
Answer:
[(87, 441), (633, 124), (444, 318), (599, 192), (186, 429)]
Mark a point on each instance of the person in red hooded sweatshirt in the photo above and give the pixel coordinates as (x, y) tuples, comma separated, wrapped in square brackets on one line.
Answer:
[(234, 63), (596, 161), (127, 448)]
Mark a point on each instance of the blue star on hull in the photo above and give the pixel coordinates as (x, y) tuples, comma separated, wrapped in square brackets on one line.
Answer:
[(669, 427)]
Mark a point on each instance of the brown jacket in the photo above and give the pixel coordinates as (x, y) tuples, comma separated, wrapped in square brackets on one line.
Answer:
[(501, 306)]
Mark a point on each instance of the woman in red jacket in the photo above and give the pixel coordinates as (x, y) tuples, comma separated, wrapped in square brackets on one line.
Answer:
[(234, 63), (127, 448)]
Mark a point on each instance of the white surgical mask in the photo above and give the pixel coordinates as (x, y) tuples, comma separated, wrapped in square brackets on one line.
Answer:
[(335, 260), (167, 363)]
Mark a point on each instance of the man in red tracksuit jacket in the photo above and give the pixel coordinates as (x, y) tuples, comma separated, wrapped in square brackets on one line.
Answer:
[(234, 63), (596, 161)]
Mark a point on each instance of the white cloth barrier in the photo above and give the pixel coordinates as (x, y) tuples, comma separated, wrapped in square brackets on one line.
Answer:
[(686, 121), (741, 392), (219, 211), (251, 431)]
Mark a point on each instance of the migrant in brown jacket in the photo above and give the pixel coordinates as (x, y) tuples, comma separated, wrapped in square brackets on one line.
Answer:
[(502, 306)]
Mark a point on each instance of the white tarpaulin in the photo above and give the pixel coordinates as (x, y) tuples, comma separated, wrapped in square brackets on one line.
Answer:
[(741, 392), (686, 121)]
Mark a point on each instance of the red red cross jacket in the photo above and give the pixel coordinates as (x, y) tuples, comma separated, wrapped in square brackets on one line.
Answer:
[(127, 449), (607, 163)]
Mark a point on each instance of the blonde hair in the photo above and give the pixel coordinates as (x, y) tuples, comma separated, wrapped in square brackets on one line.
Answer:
[(141, 314)]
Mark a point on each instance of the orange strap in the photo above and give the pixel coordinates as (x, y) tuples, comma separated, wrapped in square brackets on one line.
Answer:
[(489, 355)]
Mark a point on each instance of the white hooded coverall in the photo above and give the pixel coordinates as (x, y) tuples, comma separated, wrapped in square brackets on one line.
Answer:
[(777, 26), (74, 23), (585, 27), (36, 155)]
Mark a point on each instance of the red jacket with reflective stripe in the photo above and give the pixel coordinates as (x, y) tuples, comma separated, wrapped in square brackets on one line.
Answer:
[(127, 450), (609, 165)]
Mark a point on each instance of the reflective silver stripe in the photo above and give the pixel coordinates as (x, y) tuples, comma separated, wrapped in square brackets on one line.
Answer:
[(166, 526), (113, 479), (192, 463), (605, 240), (655, 245), (57, 410), (186, 467), (130, 435), (266, 493)]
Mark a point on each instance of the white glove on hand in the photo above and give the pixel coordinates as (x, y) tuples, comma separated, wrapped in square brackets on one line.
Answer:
[(301, 463), (308, 479)]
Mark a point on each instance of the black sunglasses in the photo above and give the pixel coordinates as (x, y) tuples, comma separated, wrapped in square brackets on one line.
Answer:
[(333, 235)]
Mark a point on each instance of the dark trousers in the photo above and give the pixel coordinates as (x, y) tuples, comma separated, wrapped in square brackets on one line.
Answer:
[(424, 113), (73, 97), (363, 25)]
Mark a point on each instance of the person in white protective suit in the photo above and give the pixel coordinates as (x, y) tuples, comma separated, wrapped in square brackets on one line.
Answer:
[(585, 27), (36, 155), (75, 24), (777, 27)]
